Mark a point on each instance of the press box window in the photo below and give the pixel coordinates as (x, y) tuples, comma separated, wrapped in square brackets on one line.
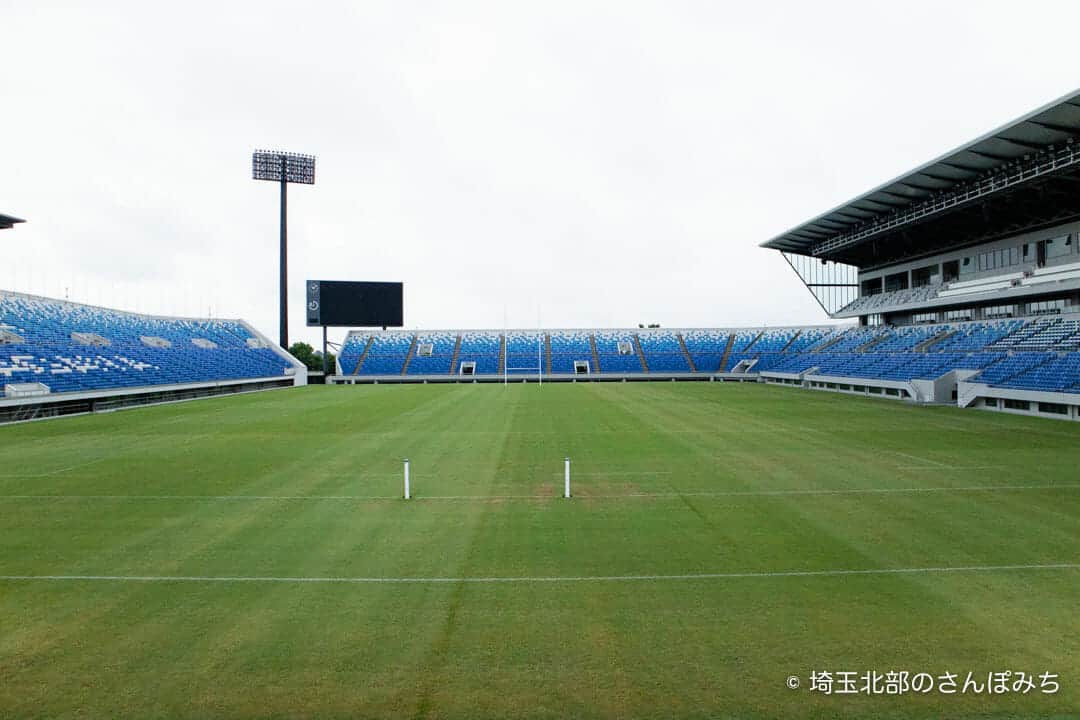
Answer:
[(896, 281), (1046, 307), (921, 277), (1000, 311)]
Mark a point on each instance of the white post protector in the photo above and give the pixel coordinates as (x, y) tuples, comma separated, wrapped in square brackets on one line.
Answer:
[(566, 490), (407, 493)]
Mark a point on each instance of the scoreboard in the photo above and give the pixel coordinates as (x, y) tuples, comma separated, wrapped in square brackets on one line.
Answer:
[(335, 303)]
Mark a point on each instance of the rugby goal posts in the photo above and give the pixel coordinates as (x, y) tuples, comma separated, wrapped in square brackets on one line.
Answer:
[(525, 369)]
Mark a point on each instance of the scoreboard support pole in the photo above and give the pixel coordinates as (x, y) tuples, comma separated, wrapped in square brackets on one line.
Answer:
[(324, 363)]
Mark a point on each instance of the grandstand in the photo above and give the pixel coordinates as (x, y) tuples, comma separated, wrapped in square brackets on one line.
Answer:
[(59, 357), (1030, 360), (974, 252)]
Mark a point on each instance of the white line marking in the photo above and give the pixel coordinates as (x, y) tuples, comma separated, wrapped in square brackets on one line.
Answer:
[(918, 459), (659, 495), (489, 497), (949, 467), (51, 473), (853, 491), (535, 579), (201, 497), (622, 472)]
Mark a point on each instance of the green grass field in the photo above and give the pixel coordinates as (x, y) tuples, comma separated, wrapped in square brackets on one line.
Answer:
[(702, 561)]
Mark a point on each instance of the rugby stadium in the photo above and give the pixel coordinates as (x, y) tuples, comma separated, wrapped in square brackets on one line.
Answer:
[(874, 516)]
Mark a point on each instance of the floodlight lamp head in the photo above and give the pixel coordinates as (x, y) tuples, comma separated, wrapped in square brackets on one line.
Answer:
[(278, 166)]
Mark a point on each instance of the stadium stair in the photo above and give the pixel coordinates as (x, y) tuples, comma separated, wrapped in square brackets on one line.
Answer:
[(686, 352), (790, 341), (942, 336), (869, 345), (727, 351), (457, 351), (640, 353), (750, 348), (502, 354), (409, 356), (363, 355), (547, 353), (595, 354), (835, 340)]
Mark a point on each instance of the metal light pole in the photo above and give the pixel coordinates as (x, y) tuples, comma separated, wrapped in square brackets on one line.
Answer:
[(283, 168)]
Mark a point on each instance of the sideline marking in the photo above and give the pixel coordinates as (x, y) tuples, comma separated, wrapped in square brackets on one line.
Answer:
[(539, 579)]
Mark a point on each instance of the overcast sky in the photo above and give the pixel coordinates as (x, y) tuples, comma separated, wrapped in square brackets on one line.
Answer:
[(598, 164)]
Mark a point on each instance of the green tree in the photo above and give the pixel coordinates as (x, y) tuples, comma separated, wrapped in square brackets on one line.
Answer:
[(306, 354), (311, 358), (331, 361)]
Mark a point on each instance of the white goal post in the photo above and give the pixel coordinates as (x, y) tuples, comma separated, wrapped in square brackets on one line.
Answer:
[(539, 360)]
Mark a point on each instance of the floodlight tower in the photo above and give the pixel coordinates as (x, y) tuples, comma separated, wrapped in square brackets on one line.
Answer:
[(284, 168)]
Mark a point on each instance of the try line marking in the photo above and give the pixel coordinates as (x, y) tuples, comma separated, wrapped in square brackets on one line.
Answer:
[(532, 579), (615, 496)]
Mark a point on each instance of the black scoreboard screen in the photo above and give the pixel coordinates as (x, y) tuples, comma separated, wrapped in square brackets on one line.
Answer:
[(335, 303)]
